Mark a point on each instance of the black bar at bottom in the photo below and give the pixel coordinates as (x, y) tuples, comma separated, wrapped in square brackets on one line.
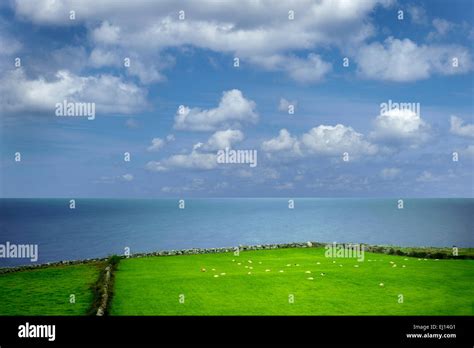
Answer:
[(243, 330)]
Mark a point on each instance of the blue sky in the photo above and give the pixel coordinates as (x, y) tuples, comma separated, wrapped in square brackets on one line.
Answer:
[(283, 62)]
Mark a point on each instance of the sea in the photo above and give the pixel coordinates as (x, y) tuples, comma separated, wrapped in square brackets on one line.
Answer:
[(102, 227)]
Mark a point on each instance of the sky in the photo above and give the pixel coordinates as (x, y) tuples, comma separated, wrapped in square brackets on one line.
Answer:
[(167, 93)]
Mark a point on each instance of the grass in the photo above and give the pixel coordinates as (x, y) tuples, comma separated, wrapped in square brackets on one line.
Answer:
[(153, 285), (46, 291)]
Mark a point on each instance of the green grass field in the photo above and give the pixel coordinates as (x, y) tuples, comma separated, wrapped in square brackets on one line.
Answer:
[(47, 291), (153, 285)]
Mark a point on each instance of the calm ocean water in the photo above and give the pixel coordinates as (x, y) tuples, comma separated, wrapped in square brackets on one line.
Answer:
[(100, 227)]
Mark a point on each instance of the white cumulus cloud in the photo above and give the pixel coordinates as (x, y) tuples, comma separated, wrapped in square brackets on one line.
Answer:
[(404, 60), (127, 177), (283, 142), (401, 125), (284, 105), (106, 33), (321, 140), (458, 127), (156, 144), (233, 110), (193, 160), (222, 139), (248, 29), (109, 93), (335, 140)]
